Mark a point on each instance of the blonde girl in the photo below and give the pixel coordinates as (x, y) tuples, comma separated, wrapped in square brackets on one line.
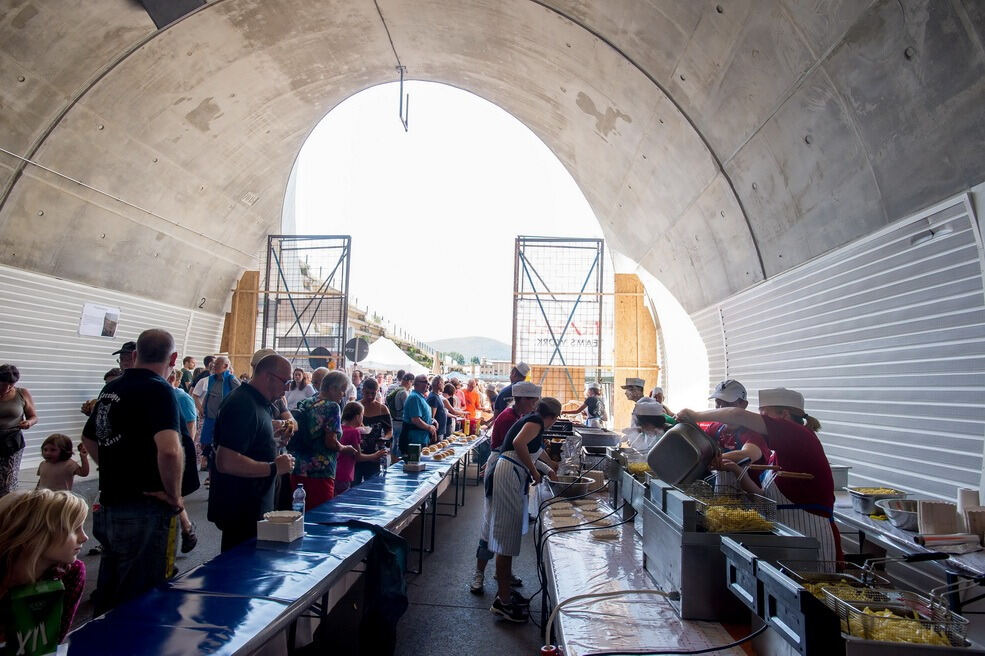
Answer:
[(41, 537)]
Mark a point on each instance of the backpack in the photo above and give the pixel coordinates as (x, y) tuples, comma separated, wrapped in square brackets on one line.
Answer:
[(391, 401), (300, 442)]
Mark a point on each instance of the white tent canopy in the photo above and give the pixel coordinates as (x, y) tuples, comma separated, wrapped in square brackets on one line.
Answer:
[(384, 355)]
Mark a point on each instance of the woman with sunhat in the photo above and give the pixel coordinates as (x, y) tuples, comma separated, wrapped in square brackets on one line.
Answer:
[(804, 505)]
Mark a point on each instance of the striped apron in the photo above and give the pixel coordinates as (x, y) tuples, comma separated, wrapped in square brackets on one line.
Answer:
[(508, 521), (797, 517)]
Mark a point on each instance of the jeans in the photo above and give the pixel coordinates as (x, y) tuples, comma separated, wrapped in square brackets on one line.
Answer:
[(139, 539)]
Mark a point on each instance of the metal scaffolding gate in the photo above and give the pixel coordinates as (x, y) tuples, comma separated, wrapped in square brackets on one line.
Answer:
[(305, 290), (562, 313)]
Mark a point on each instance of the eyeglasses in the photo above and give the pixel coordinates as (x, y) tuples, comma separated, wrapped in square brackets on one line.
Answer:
[(280, 378)]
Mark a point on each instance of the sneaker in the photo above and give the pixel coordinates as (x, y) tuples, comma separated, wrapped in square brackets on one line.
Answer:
[(188, 540), (510, 612), (518, 599), (477, 581), (515, 582)]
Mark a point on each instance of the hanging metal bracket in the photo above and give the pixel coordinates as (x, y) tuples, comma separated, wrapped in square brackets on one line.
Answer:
[(404, 112)]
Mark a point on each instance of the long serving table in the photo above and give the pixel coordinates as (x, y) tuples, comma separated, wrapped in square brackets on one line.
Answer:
[(577, 564), (241, 599), (896, 540)]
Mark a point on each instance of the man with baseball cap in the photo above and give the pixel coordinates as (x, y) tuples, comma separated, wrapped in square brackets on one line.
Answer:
[(525, 396), (128, 355), (729, 393), (518, 373)]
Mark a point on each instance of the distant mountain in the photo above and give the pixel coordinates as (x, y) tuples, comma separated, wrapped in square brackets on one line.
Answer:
[(484, 347)]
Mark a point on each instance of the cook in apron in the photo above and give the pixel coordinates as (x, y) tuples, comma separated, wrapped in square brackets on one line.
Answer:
[(508, 520), (797, 517)]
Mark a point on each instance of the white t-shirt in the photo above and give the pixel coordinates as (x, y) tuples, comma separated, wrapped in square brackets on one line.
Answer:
[(295, 396), (201, 387)]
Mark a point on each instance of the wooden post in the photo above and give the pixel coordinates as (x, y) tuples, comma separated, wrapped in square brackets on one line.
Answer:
[(635, 344), (239, 329)]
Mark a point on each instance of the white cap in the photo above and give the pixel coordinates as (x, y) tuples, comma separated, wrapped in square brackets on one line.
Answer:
[(523, 368), (656, 390), (729, 390), (648, 407), (526, 390), (634, 382), (781, 396)]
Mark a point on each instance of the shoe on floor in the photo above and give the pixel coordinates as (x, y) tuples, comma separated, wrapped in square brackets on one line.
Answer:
[(188, 540), (515, 582), (510, 612), (517, 599), (475, 587)]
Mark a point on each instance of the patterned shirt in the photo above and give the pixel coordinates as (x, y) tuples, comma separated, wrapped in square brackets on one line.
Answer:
[(322, 416)]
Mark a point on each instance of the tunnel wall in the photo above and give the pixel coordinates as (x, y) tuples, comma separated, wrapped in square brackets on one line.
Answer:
[(885, 337)]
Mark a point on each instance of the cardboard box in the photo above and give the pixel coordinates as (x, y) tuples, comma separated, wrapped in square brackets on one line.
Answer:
[(280, 531)]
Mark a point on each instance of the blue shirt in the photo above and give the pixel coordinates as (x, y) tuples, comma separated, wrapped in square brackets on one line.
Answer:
[(437, 404), (416, 406), (503, 399), (186, 405)]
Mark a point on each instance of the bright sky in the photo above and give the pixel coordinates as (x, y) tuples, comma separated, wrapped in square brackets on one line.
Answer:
[(434, 212)]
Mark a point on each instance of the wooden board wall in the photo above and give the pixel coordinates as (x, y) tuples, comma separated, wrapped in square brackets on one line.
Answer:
[(239, 328), (635, 344), (556, 382)]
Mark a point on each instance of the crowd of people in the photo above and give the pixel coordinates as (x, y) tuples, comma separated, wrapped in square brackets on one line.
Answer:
[(155, 424), (262, 436)]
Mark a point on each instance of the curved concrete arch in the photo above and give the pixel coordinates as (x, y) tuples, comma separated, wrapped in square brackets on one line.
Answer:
[(786, 129)]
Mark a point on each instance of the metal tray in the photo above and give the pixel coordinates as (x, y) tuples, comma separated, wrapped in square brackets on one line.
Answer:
[(800, 618), (866, 503)]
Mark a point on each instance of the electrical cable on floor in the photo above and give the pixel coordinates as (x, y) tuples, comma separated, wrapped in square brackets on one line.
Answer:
[(706, 650), (598, 595)]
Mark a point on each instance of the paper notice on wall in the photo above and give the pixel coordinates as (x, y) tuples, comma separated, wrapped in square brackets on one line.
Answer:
[(99, 320)]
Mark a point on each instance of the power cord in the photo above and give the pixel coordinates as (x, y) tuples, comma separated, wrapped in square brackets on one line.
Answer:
[(706, 650), (599, 595)]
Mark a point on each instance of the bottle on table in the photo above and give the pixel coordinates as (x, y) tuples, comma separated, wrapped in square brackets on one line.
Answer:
[(297, 501), (384, 460)]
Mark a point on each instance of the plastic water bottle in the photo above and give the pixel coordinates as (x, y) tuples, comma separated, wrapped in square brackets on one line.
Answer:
[(298, 499), (384, 462)]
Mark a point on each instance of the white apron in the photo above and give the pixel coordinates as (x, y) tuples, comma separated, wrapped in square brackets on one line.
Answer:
[(796, 517), (508, 520)]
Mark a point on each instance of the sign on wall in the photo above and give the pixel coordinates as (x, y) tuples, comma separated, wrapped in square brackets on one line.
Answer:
[(99, 320)]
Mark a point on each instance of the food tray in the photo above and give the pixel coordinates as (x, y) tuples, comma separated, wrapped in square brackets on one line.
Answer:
[(915, 618), (866, 503)]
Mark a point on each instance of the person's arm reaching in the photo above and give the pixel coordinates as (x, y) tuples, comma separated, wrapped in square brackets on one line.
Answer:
[(730, 416), (83, 469)]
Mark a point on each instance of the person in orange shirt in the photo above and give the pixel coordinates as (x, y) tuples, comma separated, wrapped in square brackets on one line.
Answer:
[(473, 404)]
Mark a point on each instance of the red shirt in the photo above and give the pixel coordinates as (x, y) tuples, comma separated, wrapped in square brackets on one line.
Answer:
[(733, 438), (503, 423), (797, 449)]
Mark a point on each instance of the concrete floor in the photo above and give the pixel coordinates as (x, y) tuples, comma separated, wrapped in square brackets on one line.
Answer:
[(443, 616)]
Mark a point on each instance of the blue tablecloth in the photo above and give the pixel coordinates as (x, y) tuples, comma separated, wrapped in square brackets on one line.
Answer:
[(246, 595)]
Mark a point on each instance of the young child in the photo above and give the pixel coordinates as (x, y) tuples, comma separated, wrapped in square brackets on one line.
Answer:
[(40, 539), (352, 430), (58, 471)]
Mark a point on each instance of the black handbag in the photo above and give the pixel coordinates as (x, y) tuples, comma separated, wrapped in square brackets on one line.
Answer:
[(11, 441)]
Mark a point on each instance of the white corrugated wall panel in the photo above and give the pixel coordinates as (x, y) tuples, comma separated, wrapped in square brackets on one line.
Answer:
[(708, 323), (39, 333), (885, 338)]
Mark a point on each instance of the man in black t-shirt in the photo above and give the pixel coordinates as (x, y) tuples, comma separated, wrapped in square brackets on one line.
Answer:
[(133, 434), (246, 461)]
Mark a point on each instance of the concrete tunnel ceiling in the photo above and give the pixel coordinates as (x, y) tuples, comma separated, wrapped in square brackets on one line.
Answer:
[(717, 142)]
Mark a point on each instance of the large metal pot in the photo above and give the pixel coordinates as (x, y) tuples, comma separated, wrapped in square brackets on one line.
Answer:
[(682, 454)]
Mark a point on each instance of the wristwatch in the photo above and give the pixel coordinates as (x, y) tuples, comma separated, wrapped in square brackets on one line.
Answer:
[(273, 468)]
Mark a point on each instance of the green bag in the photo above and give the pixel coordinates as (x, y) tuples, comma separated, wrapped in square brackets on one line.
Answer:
[(33, 617)]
